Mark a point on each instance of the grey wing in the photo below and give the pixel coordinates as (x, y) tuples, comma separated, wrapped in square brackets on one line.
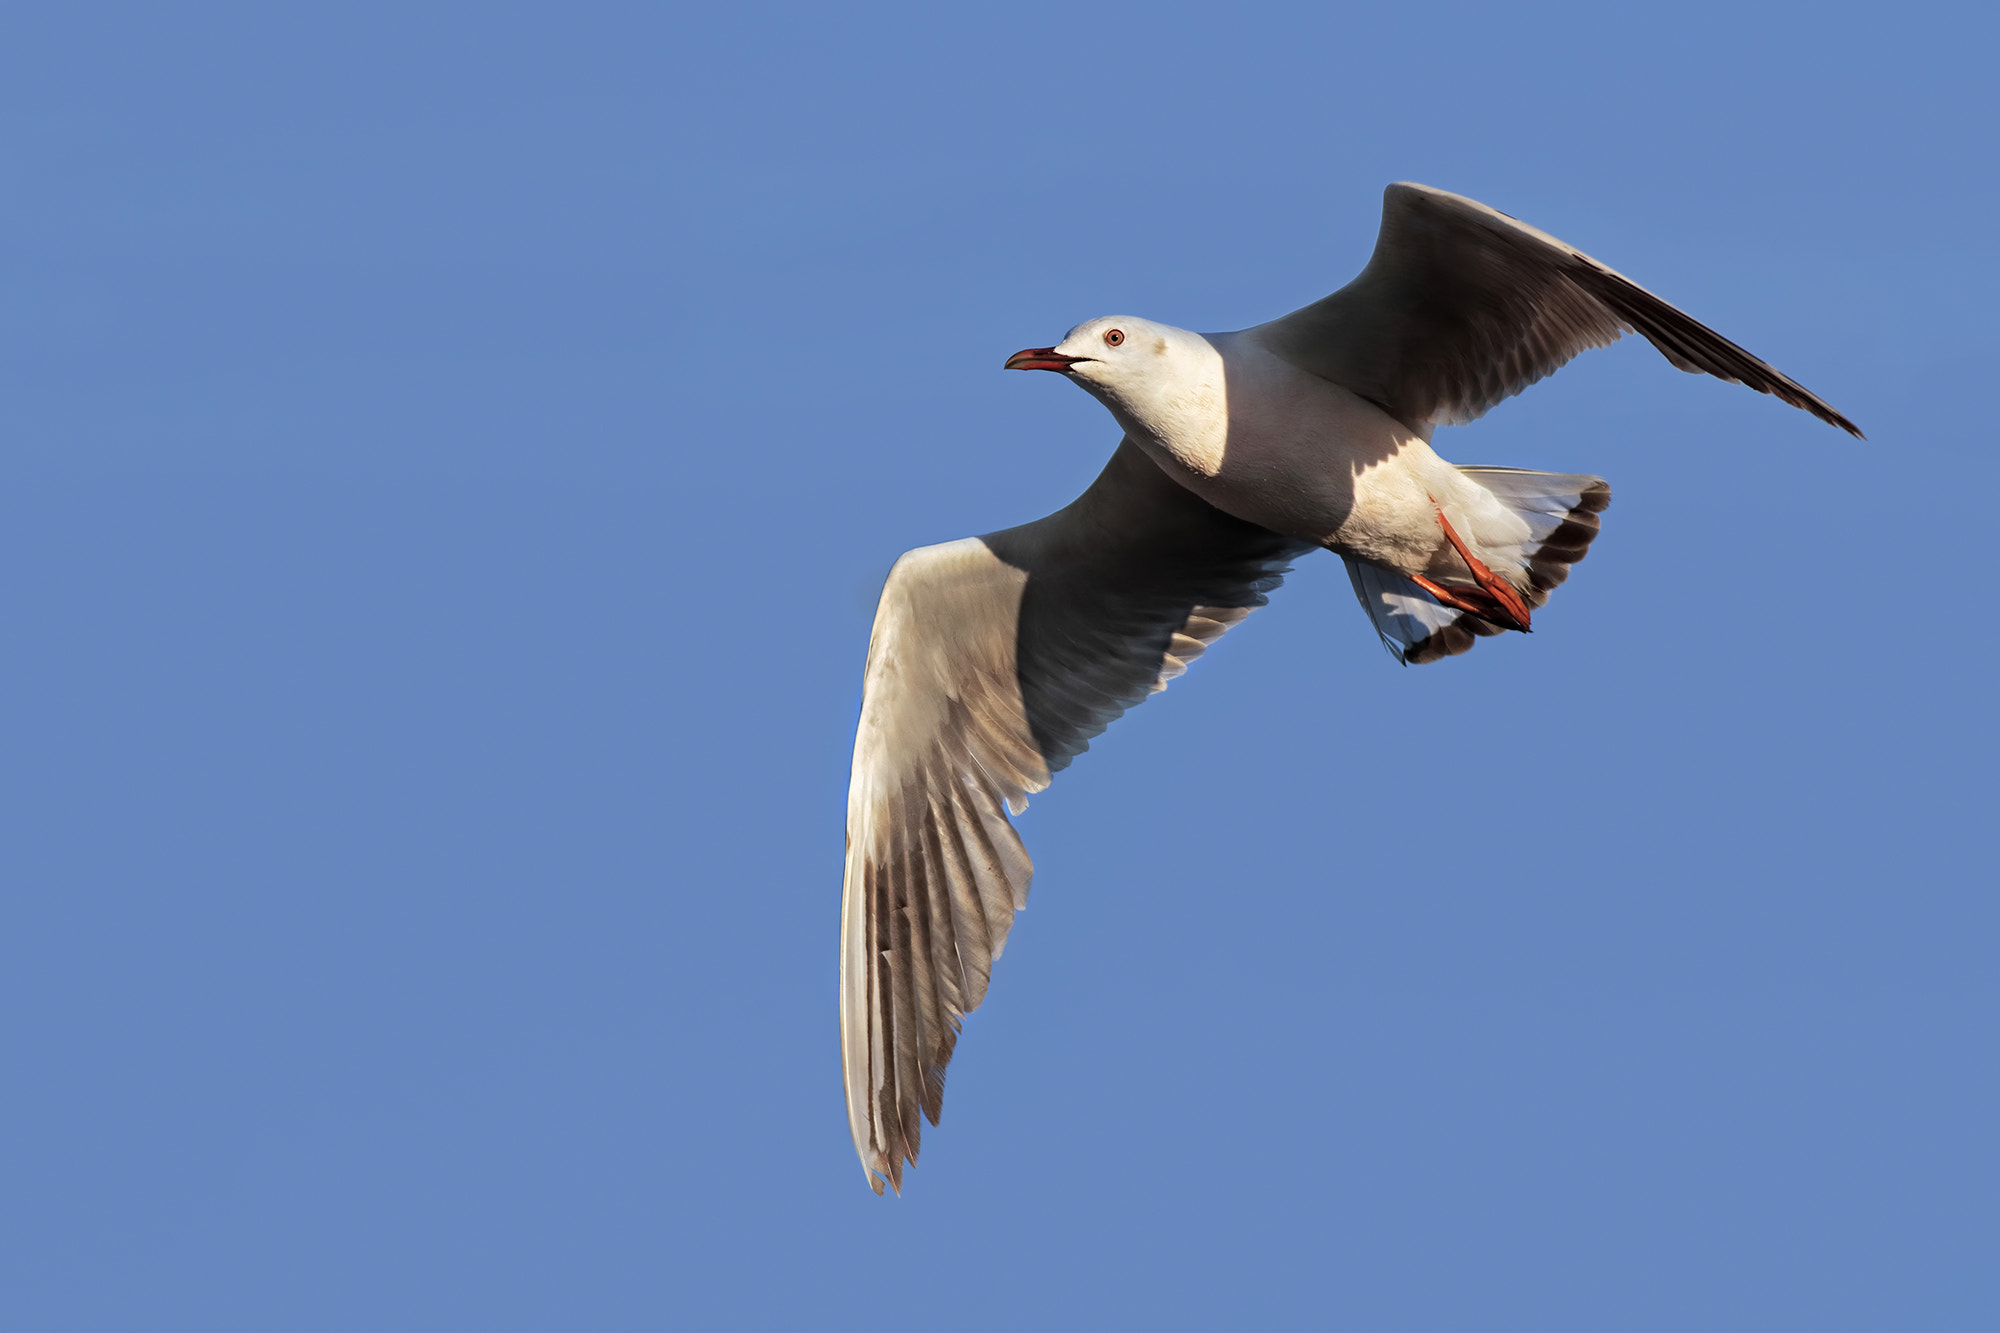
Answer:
[(1462, 306), (994, 660)]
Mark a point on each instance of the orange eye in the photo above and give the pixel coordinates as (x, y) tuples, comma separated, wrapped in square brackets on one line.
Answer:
[(1113, 337)]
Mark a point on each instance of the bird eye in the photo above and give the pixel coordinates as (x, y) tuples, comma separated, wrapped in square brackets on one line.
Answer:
[(1113, 337)]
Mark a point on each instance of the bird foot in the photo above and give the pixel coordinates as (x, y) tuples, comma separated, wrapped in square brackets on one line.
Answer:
[(1497, 600)]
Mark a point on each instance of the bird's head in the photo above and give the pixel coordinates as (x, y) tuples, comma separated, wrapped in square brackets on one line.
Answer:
[(1145, 372)]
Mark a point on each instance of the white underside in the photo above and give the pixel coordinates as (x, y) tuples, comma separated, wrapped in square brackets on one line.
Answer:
[(1277, 446)]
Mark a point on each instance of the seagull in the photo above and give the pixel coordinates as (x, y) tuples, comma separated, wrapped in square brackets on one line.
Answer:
[(995, 660)]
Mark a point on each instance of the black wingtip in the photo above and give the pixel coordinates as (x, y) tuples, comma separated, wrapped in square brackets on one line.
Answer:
[(1797, 395)]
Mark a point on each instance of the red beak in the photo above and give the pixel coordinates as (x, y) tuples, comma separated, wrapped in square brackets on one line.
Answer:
[(1042, 358)]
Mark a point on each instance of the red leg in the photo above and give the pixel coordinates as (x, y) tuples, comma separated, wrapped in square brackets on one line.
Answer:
[(1501, 601)]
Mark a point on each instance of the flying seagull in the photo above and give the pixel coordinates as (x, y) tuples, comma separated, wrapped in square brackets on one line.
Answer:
[(994, 660)]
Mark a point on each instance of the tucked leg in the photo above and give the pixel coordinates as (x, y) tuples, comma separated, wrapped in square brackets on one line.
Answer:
[(1497, 600)]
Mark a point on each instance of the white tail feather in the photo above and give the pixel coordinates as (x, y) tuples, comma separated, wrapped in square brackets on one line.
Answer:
[(1560, 510)]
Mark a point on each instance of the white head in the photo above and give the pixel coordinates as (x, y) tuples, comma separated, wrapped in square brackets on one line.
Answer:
[(1155, 378)]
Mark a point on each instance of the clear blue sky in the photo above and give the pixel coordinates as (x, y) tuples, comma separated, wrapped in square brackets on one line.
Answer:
[(450, 453)]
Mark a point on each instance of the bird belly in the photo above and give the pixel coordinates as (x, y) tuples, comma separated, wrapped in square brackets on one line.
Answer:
[(1305, 457), (1280, 447)]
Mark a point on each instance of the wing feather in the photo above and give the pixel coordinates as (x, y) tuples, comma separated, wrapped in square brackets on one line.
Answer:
[(994, 661), (1462, 306)]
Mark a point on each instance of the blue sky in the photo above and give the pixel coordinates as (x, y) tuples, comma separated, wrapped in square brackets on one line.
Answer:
[(450, 454)]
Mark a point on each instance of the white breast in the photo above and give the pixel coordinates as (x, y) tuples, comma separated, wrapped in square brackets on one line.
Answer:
[(1261, 439)]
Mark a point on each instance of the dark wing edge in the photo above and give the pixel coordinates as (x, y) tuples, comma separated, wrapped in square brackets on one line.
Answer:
[(993, 662), (1462, 306)]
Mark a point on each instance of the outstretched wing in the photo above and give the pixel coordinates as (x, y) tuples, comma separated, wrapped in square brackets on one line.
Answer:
[(1461, 306), (993, 662)]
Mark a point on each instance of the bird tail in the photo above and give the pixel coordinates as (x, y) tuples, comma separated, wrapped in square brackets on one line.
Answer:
[(1559, 511)]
